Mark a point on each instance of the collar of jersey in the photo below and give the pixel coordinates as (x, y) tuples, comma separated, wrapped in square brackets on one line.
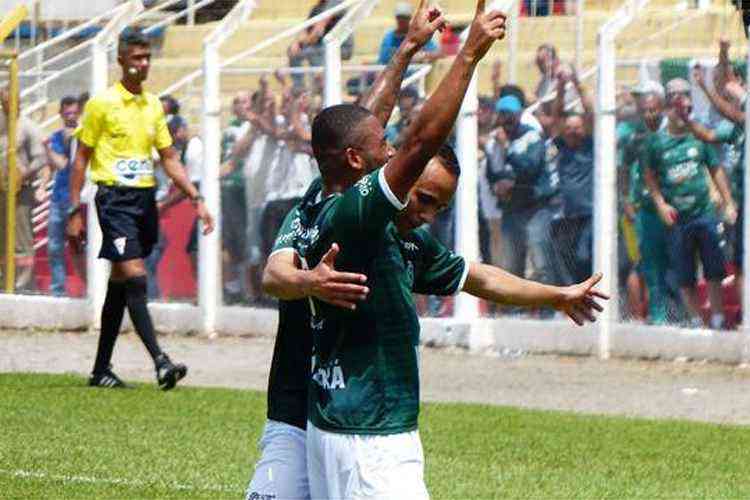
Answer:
[(126, 94)]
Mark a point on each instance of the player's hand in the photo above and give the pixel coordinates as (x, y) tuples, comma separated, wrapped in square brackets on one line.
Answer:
[(667, 213), (485, 29), (730, 214), (579, 302), (205, 217), (424, 23), (334, 287)]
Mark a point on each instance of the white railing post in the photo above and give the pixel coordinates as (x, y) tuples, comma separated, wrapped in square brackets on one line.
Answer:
[(605, 197), (515, 25), (209, 249), (332, 74), (98, 269), (745, 285), (466, 206), (209, 246), (191, 13)]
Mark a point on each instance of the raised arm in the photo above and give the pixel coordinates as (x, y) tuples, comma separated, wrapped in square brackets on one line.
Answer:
[(726, 108), (429, 130), (501, 287), (383, 94)]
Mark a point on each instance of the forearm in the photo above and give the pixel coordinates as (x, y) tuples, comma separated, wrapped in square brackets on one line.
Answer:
[(383, 94), (727, 109), (174, 169), (284, 281), (700, 132), (56, 160), (722, 184), (501, 287), (653, 186)]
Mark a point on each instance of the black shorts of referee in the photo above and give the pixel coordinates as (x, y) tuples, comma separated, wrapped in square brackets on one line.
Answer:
[(129, 220)]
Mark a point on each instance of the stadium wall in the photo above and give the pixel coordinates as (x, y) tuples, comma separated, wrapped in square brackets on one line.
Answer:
[(496, 336)]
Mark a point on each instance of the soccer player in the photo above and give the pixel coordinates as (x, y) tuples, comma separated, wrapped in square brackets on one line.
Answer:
[(674, 163), (120, 128), (282, 469)]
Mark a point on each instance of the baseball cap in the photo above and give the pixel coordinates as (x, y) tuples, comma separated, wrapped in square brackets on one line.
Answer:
[(648, 87), (508, 104), (403, 9), (678, 86)]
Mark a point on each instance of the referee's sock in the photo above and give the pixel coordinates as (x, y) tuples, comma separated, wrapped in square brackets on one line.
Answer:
[(112, 313), (136, 294)]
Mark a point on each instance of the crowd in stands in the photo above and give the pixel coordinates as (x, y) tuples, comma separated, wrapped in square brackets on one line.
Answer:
[(680, 181)]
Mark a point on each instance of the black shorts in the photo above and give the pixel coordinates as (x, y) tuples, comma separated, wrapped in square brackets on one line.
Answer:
[(129, 220)]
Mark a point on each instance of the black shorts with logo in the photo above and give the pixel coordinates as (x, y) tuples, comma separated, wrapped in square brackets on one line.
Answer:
[(129, 220)]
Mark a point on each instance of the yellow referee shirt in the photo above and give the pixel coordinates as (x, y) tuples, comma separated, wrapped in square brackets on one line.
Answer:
[(122, 129)]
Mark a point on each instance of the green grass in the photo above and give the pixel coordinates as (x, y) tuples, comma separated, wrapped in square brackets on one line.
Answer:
[(60, 439)]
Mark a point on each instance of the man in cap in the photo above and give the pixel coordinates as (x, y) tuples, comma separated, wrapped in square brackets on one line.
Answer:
[(393, 39), (674, 163), (526, 186)]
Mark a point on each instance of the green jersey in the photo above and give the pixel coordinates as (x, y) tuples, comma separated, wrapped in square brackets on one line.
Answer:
[(631, 138), (365, 362), (734, 133), (680, 163)]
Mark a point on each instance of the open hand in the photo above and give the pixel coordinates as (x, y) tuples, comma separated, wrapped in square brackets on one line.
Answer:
[(579, 302), (334, 287), (486, 28), (424, 23), (206, 218)]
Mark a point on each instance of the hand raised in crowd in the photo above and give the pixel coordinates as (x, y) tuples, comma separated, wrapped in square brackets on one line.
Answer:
[(425, 21), (497, 71), (579, 302), (485, 29)]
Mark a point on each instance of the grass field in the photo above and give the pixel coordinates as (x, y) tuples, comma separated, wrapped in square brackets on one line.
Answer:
[(60, 439)]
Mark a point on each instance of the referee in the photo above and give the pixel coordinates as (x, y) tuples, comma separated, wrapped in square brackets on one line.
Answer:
[(119, 130)]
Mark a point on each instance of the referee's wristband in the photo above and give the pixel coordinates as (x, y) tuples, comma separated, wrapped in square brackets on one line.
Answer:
[(197, 199), (74, 210)]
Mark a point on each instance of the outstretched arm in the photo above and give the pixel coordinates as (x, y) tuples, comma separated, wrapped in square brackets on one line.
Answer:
[(429, 130), (498, 286), (383, 94), (726, 108), (283, 279)]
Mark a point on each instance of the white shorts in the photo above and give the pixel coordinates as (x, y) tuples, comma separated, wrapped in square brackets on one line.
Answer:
[(347, 466), (281, 472)]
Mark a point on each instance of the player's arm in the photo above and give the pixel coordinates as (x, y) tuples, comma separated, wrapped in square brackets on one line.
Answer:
[(77, 178), (501, 287), (176, 171), (726, 108), (666, 211), (383, 94), (719, 176), (427, 133), (283, 279)]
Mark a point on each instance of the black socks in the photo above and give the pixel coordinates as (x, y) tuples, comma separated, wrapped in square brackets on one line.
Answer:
[(133, 294), (136, 296)]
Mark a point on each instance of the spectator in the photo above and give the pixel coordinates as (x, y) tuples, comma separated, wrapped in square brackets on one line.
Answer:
[(171, 107), (392, 39), (407, 102), (490, 213), (730, 131), (538, 7), (308, 46), (31, 159), (526, 190), (233, 209), (674, 163), (548, 65), (638, 205), (61, 152), (575, 166)]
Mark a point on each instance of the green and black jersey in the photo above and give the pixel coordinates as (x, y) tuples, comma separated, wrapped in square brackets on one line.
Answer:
[(365, 362)]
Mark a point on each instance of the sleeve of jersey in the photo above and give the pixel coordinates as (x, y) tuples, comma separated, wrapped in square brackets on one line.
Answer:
[(366, 208), (443, 272), (92, 123), (163, 137), (285, 237)]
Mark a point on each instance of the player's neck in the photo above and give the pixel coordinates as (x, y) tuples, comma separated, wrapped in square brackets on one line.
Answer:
[(133, 87)]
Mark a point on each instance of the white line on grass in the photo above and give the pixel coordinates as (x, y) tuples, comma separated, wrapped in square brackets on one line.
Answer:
[(24, 474)]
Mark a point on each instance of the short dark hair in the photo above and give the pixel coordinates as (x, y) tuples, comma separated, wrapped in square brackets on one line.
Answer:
[(68, 100), (334, 129), (448, 157), (83, 99), (173, 105), (548, 47), (132, 38), (409, 92)]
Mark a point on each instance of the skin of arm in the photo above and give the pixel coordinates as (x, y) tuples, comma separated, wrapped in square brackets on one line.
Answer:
[(176, 171), (722, 184), (77, 177), (667, 212), (726, 108), (382, 97), (429, 130)]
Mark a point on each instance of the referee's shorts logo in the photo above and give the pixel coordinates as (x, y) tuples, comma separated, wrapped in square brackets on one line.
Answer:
[(120, 244)]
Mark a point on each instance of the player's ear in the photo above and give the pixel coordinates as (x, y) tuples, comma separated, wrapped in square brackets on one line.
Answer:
[(354, 160)]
